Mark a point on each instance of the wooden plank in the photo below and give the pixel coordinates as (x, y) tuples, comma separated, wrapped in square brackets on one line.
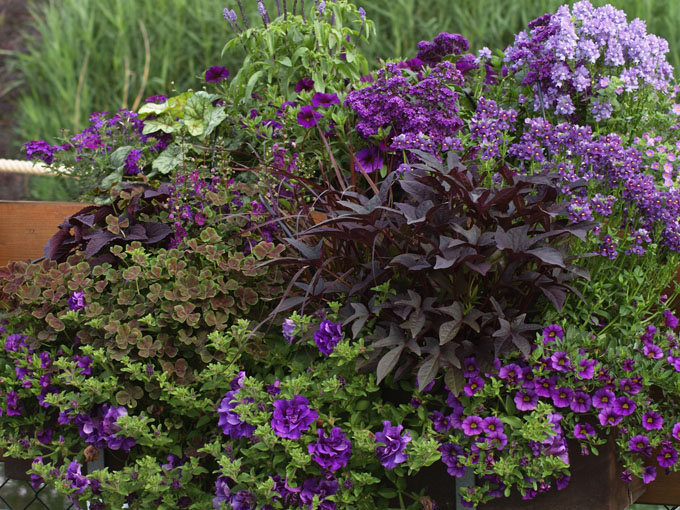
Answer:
[(25, 227), (665, 490)]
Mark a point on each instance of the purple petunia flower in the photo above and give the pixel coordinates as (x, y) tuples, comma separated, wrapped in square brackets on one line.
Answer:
[(560, 362), (511, 373), (331, 452), (304, 84), (652, 351), (587, 369), (603, 399), (216, 74), (287, 329), (77, 479), (292, 417), (327, 336), (321, 100), (492, 426), (77, 301), (322, 488), (369, 159), (472, 426), (669, 319), (652, 420), (629, 386), (308, 117), (552, 333), (392, 454)]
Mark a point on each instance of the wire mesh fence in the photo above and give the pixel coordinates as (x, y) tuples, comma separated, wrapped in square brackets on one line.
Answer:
[(20, 495)]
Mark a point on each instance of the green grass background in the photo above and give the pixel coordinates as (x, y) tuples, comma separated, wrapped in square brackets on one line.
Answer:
[(115, 53)]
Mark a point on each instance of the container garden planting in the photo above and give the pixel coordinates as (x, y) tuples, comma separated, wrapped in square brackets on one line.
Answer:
[(314, 285)]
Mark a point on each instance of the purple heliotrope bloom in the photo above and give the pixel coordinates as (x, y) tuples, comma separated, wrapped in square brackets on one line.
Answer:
[(321, 100), (331, 452), (216, 74), (327, 336), (292, 417), (77, 301), (308, 117), (552, 333), (652, 420), (392, 454)]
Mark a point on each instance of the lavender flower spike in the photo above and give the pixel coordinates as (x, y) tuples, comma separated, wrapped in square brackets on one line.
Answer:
[(231, 17), (262, 11)]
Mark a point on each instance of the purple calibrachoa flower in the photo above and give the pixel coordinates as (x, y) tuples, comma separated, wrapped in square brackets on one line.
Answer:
[(667, 455), (560, 362), (321, 100), (624, 406), (649, 474), (493, 426), (676, 431), (652, 420), (331, 452), (652, 351), (608, 417), (328, 336), (472, 426), (216, 74), (392, 454), (629, 386), (669, 319), (640, 444), (304, 84), (587, 369), (369, 159), (583, 430), (603, 399), (473, 385), (77, 301), (308, 117), (580, 402), (292, 417), (511, 373), (526, 400), (552, 333), (561, 397), (450, 453)]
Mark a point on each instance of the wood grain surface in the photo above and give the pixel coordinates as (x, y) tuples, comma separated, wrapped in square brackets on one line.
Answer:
[(25, 227)]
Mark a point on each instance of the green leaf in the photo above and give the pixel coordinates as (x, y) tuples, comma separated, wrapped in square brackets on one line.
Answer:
[(165, 123), (117, 158), (200, 116), (169, 159)]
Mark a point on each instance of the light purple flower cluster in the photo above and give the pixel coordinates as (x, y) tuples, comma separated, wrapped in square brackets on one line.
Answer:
[(101, 429), (567, 57), (77, 301), (488, 125)]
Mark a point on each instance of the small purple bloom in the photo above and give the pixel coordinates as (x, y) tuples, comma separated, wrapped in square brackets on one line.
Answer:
[(304, 84), (321, 100), (292, 417), (648, 474), (667, 456), (511, 373), (587, 369), (287, 328), (608, 417), (583, 430), (77, 301), (676, 431), (331, 452), (624, 406), (580, 403), (472, 426), (216, 74), (669, 319), (492, 426), (652, 420), (552, 333), (603, 399), (561, 397), (652, 351), (560, 362), (369, 159), (473, 385), (308, 117), (328, 336), (392, 454), (526, 400)]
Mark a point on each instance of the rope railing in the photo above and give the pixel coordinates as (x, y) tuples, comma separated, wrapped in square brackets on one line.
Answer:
[(17, 166)]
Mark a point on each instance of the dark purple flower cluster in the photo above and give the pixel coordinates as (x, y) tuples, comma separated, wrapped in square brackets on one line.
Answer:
[(395, 101), (331, 452), (241, 500), (328, 336), (392, 453), (229, 420), (77, 301), (101, 430), (569, 56), (443, 45), (292, 417)]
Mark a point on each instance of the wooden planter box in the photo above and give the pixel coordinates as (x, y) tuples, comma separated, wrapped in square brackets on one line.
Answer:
[(25, 227)]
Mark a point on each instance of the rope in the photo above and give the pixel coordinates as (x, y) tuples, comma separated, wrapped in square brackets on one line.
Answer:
[(16, 166)]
